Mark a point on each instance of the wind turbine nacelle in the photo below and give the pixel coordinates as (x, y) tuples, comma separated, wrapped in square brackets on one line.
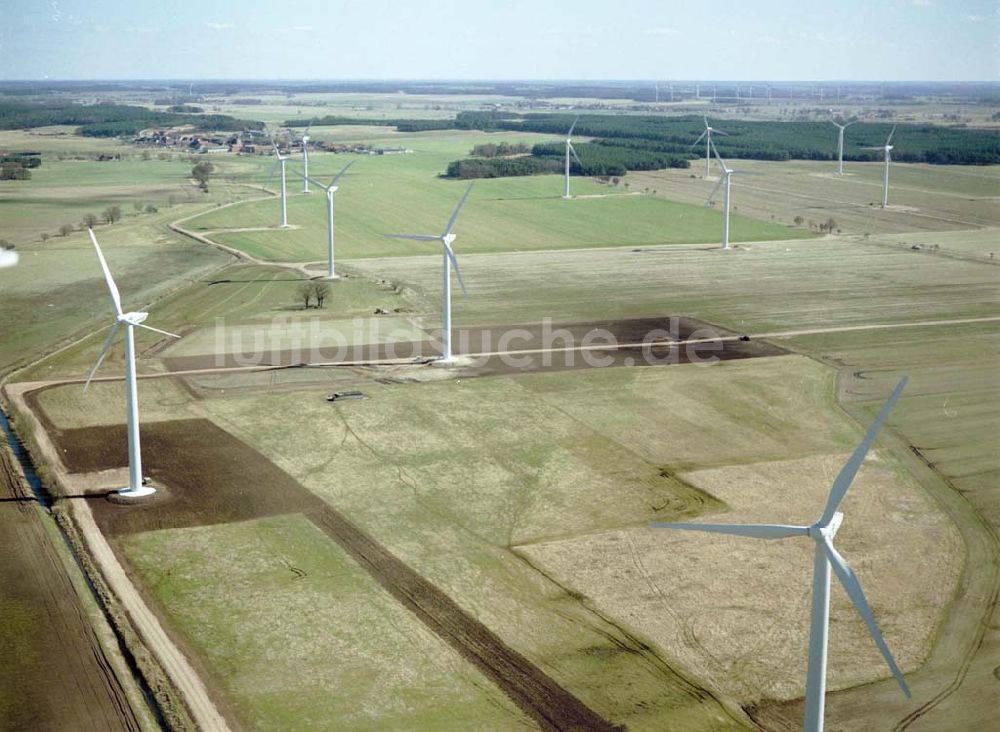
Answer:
[(448, 239), (133, 318)]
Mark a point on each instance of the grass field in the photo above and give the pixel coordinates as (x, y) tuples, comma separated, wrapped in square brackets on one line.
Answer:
[(525, 498), (402, 193)]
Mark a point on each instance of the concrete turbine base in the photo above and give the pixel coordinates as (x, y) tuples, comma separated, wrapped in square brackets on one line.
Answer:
[(140, 492)]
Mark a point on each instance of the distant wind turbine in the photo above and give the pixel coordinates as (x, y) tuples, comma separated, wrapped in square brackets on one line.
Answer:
[(448, 263), (823, 532), (840, 144), (284, 189), (135, 488), (305, 159), (888, 159), (330, 190), (570, 149), (707, 135)]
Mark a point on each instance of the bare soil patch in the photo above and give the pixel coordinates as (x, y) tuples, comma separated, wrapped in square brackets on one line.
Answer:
[(552, 346), (211, 477)]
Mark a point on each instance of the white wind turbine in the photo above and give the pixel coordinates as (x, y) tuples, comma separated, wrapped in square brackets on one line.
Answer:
[(305, 159), (840, 144), (284, 189), (707, 134), (570, 149), (7, 258), (823, 532), (135, 488), (724, 180), (330, 190), (447, 263), (888, 159)]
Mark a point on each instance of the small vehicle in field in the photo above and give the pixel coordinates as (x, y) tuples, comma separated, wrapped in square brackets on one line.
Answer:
[(339, 396)]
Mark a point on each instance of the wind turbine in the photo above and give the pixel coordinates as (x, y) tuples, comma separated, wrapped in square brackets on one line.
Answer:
[(570, 149), (135, 489), (840, 144), (726, 180), (448, 261), (7, 258), (888, 159), (284, 192), (707, 134), (330, 190), (305, 160), (823, 532)]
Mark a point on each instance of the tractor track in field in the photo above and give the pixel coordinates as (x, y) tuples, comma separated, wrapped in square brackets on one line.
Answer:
[(185, 455)]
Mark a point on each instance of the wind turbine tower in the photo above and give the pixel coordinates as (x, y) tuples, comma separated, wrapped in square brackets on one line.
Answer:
[(329, 190), (284, 187), (840, 144), (305, 159), (448, 263), (707, 135), (822, 532), (136, 488), (570, 149), (886, 150)]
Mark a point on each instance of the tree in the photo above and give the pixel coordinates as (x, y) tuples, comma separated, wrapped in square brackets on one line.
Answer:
[(150, 208), (201, 173), (45, 237), (65, 230), (798, 220), (111, 214), (305, 294), (89, 221), (136, 206), (320, 290), (14, 171)]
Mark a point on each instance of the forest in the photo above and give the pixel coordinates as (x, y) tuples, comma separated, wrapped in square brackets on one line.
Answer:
[(110, 120)]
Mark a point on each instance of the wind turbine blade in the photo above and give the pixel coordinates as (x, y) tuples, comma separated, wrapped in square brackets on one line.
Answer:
[(705, 117), (342, 171), (413, 237), (880, 147), (850, 583), (309, 178), (575, 156), (756, 531), (891, 133), (719, 132), (853, 464), (157, 330), (308, 127), (454, 263), (104, 352), (715, 190), (454, 214), (719, 157), (700, 137), (837, 125), (112, 287), (573, 126)]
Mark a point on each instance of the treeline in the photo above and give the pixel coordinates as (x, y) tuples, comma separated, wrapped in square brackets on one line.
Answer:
[(110, 120), (499, 150), (502, 167), (776, 140), (610, 160)]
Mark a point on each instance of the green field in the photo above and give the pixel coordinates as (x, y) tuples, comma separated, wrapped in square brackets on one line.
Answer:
[(403, 194), (525, 498)]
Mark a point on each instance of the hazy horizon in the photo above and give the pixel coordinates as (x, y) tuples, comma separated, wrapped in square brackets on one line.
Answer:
[(895, 41)]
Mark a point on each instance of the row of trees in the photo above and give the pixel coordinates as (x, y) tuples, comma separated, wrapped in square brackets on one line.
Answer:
[(499, 150), (501, 167)]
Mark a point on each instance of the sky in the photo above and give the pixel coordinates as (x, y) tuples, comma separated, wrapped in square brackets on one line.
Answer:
[(767, 40)]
